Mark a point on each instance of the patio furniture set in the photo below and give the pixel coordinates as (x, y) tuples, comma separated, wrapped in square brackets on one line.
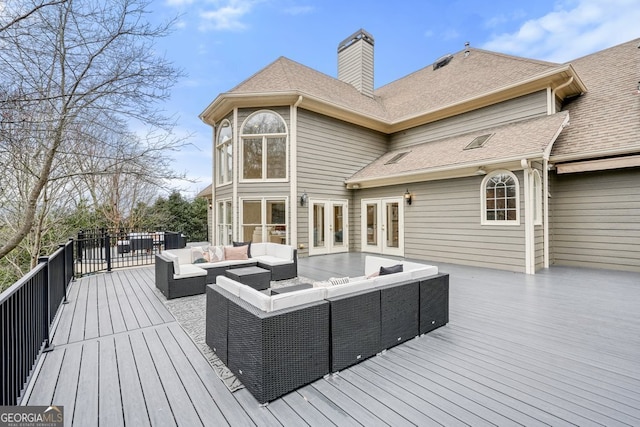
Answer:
[(275, 343), (185, 272)]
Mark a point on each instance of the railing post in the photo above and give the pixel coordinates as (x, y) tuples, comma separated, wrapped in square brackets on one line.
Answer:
[(107, 249), (47, 298)]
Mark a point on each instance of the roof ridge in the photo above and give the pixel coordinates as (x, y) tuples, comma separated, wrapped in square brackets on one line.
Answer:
[(619, 45)]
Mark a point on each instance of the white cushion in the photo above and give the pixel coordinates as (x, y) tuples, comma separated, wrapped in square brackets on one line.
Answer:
[(349, 288), (238, 262), (189, 270), (373, 263), (424, 271), (170, 256), (387, 279), (292, 299), (229, 285), (271, 260), (255, 298), (184, 254), (281, 251), (258, 249)]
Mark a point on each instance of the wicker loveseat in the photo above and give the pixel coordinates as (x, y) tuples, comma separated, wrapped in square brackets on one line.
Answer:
[(177, 275), (276, 344)]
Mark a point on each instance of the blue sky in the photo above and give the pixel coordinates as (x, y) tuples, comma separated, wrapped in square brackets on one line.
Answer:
[(220, 43)]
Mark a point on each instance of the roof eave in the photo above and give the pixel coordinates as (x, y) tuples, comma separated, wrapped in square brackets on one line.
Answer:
[(445, 172), (549, 79)]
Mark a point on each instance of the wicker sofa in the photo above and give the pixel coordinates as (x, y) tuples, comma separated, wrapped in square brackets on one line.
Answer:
[(276, 344), (177, 275)]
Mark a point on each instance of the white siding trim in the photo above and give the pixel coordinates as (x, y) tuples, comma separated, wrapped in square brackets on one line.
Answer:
[(236, 177), (545, 206)]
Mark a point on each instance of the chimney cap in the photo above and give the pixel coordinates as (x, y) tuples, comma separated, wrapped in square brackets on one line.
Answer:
[(361, 34)]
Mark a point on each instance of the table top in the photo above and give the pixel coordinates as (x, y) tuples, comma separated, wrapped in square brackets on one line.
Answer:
[(245, 271)]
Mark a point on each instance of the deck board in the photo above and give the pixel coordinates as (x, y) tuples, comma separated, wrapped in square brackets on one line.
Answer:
[(561, 348)]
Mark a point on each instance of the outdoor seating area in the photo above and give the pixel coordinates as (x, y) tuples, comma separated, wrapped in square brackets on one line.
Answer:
[(277, 343), (186, 271), (515, 351)]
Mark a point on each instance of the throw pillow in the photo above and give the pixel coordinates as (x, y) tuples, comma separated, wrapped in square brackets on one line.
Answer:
[(247, 244), (216, 253), (374, 274), (338, 280), (199, 261), (390, 270), (196, 253), (236, 252)]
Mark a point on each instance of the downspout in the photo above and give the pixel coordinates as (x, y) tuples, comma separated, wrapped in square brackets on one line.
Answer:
[(235, 203), (529, 235), (553, 95), (293, 160), (212, 216)]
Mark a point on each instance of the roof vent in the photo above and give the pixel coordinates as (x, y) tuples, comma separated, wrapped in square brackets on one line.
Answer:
[(442, 61), (397, 158), (478, 141)]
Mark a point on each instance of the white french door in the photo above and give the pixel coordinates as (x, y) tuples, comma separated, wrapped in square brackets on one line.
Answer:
[(383, 226), (328, 226)]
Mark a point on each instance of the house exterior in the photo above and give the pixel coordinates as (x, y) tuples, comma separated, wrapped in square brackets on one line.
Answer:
[(480, 159)]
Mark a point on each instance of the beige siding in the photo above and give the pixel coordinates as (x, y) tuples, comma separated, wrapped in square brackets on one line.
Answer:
[(596, 220), (355, 66), (524, 107), (330, 151), (443, 225)]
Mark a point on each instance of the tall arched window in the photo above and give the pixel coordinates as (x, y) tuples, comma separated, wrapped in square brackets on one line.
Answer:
[(224, 153), (500, 198), (264, 147)]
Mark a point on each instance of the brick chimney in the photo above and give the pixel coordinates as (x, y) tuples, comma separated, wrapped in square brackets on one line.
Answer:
[(355, 61)]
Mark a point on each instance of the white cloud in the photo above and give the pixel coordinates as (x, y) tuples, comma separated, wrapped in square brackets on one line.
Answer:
[(227, 17), (178, 2), (572, 30)]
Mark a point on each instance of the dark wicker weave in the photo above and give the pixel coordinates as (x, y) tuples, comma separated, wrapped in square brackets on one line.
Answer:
[(434, 302), (175, 288), (399, 311), (275, 353), (355, 328), (257, 277), (284, 271), (213, 272), (217, 320)]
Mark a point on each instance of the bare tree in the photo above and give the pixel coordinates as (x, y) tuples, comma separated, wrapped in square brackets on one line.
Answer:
[(72, 75)]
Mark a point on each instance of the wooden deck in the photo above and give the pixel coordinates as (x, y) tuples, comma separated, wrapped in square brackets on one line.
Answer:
[(558, 348)]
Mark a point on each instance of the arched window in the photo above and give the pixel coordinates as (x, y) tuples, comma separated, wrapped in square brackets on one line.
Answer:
[(264, 147), (500, 198), (224, 153), (537, 198)]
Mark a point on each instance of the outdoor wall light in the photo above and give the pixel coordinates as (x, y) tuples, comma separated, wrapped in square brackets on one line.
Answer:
[(303, 198), (407, 197)]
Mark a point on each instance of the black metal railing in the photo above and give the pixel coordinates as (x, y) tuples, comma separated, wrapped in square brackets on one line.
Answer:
[(105, 249), (27, 310)]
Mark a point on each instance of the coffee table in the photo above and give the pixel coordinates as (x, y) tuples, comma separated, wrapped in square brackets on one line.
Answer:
[(293, 288), (256, 277)]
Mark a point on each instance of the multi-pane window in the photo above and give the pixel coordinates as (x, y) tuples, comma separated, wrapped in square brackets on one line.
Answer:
[(224, 153), (224, 217), (264, 147), (500, 198), (264, 220)]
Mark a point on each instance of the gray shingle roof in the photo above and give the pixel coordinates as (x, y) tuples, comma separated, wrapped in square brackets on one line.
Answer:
[(527, 138), (607, 117)]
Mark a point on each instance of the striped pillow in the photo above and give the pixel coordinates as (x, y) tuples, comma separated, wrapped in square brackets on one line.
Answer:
[(338, 280)]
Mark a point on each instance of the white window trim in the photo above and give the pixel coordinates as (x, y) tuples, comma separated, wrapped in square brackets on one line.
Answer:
[(483, 198), (220, 183), (263, 214), (264, 137), (220, 219), (537, 197)]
